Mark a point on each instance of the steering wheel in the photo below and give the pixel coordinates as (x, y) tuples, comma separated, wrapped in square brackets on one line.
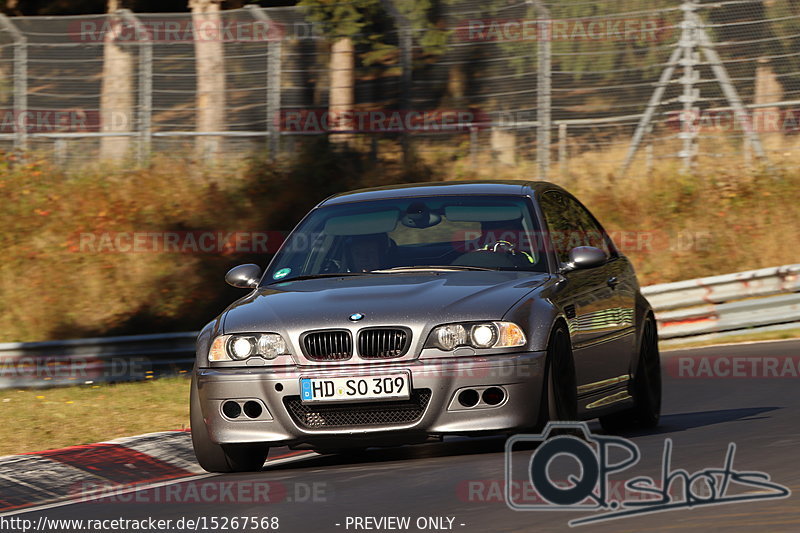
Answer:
[(332, 266), (504, 246)]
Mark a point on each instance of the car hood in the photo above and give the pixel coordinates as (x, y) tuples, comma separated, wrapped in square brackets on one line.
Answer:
[(409, 299)]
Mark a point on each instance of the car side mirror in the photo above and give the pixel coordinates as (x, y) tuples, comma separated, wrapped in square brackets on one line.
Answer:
[(584, 257), (244, 276)]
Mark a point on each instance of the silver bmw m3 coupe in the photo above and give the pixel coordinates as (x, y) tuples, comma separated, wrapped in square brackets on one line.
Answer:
[(402, 314)]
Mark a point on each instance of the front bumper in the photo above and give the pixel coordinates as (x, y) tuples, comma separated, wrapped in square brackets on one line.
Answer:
[(520, 375)]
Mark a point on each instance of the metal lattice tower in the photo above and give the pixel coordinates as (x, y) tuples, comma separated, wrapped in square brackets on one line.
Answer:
[(693, 40)]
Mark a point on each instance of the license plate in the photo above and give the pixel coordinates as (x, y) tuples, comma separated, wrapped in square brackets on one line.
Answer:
[(354, 389)]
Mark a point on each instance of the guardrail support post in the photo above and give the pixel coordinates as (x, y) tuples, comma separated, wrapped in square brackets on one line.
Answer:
[(20, 83)]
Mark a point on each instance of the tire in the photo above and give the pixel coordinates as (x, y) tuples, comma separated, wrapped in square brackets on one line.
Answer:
[(645, 388), (559, 400), (223, 458)]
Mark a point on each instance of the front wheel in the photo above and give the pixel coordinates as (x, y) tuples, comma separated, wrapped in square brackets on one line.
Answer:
[(223, 458), (645, 388), (559, 396)]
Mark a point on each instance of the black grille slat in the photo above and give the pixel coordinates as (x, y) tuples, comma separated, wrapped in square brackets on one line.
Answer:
[(383, 343), (314, 416), (335, 345)]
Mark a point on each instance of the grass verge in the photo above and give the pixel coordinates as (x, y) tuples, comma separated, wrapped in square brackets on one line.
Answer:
[(36, 420)]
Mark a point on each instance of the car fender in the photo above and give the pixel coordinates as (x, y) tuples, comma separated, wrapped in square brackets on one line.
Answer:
[(538, 314)]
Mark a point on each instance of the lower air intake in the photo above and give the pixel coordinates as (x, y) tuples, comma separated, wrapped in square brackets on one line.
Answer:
[(393, 413)]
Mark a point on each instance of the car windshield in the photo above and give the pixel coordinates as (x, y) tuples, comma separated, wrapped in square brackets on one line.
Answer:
[(396, 235)]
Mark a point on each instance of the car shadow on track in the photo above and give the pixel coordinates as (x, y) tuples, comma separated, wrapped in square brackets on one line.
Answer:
[(456, 447), (674, 423)]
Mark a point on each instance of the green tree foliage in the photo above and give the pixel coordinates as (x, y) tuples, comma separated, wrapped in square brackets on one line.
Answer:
[(644, 48), (421, 16), (371, 25), (576, 52)]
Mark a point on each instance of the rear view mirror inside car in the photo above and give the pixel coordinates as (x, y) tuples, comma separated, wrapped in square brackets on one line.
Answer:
[(363, 224), (482, 213)]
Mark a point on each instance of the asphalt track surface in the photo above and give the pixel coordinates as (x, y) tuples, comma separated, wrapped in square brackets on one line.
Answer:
[(462, 478)]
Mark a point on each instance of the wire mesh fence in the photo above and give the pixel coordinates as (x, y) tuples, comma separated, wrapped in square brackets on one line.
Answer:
[(618, 86)]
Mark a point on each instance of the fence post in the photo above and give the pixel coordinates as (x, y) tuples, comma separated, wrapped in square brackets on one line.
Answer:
[(406, 44), (274, 51), (747, 152), (20, 83), (144, 122), (562, 149), (543, 86), (473, 146), (406, 51), (690, 94), (60, 151)]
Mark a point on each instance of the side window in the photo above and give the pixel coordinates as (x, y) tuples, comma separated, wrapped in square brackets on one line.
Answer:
[(564, 233), (591, 233)]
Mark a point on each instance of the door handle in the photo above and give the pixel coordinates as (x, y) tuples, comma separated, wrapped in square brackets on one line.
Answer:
[(612, 281)]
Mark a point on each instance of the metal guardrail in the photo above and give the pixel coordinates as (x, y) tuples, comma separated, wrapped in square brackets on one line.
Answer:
[(732, 302), (95, 360), (744, 301)]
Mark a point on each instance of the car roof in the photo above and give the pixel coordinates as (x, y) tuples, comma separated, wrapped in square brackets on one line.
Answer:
[(442, 188)]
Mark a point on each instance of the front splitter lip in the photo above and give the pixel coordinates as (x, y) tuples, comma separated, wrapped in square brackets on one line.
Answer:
[(520, 374)]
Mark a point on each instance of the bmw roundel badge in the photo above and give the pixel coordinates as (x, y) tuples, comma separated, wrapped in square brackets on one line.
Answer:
[(355, 317)]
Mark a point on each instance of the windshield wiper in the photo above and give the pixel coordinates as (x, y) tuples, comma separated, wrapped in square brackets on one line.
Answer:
[(431, 267), (324, 275)]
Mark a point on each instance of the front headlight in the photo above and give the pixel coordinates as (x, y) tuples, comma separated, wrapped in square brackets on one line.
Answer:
[(241, 347), (477, 335)]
